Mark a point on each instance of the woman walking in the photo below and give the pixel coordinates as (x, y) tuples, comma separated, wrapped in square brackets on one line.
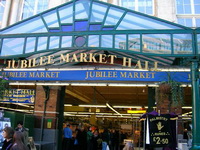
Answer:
[(8, 135), (18, 141)]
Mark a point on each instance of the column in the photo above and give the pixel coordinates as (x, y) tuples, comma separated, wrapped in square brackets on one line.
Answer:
[(195, 105), (151, 98), (50, 100), (48, 111), (6, 14), (16, 11)]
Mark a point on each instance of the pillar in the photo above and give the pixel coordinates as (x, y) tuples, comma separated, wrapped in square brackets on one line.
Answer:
[(195, 105), (151, 98), (93, 116), (48, 111), (51, 102), (6, 14)]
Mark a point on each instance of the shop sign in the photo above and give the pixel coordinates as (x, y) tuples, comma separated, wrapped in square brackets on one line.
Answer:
[(79, 58), (160, 134), (19, 96), (94, 75)]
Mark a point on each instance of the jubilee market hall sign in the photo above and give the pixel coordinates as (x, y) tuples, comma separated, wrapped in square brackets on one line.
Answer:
[(153, 74)]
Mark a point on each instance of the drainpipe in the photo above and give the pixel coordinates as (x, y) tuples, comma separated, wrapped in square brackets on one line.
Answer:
[(47, 92)]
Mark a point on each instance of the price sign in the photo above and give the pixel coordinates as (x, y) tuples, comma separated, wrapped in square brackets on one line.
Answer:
[(159, 130)]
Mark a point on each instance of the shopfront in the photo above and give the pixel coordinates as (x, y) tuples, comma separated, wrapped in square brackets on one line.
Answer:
[(95, 44)]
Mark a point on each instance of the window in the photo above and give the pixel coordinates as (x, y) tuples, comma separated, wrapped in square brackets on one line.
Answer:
[(33, 7), (188, 12), (143, 6), (2, 6)]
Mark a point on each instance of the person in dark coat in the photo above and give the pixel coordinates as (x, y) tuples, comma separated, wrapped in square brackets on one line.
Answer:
[(20, 127), (8, 133)]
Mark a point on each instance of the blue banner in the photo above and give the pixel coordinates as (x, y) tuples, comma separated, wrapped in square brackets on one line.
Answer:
[(19, 96), (97, 75)]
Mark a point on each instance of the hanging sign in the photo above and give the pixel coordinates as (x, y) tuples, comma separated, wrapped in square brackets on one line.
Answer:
[(19, 96), (160, 134)]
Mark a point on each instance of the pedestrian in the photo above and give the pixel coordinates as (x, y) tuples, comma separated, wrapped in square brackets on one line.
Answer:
[(90, 139), (18, 143), (82, 138), (67, 134), (20, 127), (8, 133), (95, 141)]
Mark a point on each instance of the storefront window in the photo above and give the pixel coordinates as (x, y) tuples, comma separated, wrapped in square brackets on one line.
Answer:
[(143, 6), (2, 7), (188, 12), (33, 7)]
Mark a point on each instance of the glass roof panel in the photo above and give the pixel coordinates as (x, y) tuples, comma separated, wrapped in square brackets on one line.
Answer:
[(66, 41), (51, 19), (93, 41), (34, 25), (107, 41), (30, 44), (82, 9), (42, 43), (133, 42), (95, 27), (90, 16), (66, 13), (133, 21), (182, 43), (55, 40), (119, 39), (12, 46), (81, 25), (156, 43), (98, 12), (114, 14)]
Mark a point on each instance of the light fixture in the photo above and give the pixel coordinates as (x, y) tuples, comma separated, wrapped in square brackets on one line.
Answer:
[(152, 85), (136, 111), (20, 110), (174, 69), (67, 104), (186, 118), (126, 117), (127, 85), (187, 107), (102, 106), (89, 84), (109, 106), (126, 106), (100, 113), (53, 83), (22, 83)]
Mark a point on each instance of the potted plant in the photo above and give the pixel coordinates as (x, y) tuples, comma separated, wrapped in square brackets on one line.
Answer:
[(4, 85), (169, 96)]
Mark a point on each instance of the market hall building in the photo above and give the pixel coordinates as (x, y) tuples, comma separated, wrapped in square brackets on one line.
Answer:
[(60, 55)]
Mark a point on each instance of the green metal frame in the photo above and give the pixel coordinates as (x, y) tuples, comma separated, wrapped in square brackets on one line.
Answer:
[(50, 30), (60, 23)]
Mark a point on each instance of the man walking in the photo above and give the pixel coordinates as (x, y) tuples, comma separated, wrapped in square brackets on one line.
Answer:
[(67, 133)]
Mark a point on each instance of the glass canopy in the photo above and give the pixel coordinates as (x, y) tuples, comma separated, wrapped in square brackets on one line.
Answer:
[(95, 25)]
